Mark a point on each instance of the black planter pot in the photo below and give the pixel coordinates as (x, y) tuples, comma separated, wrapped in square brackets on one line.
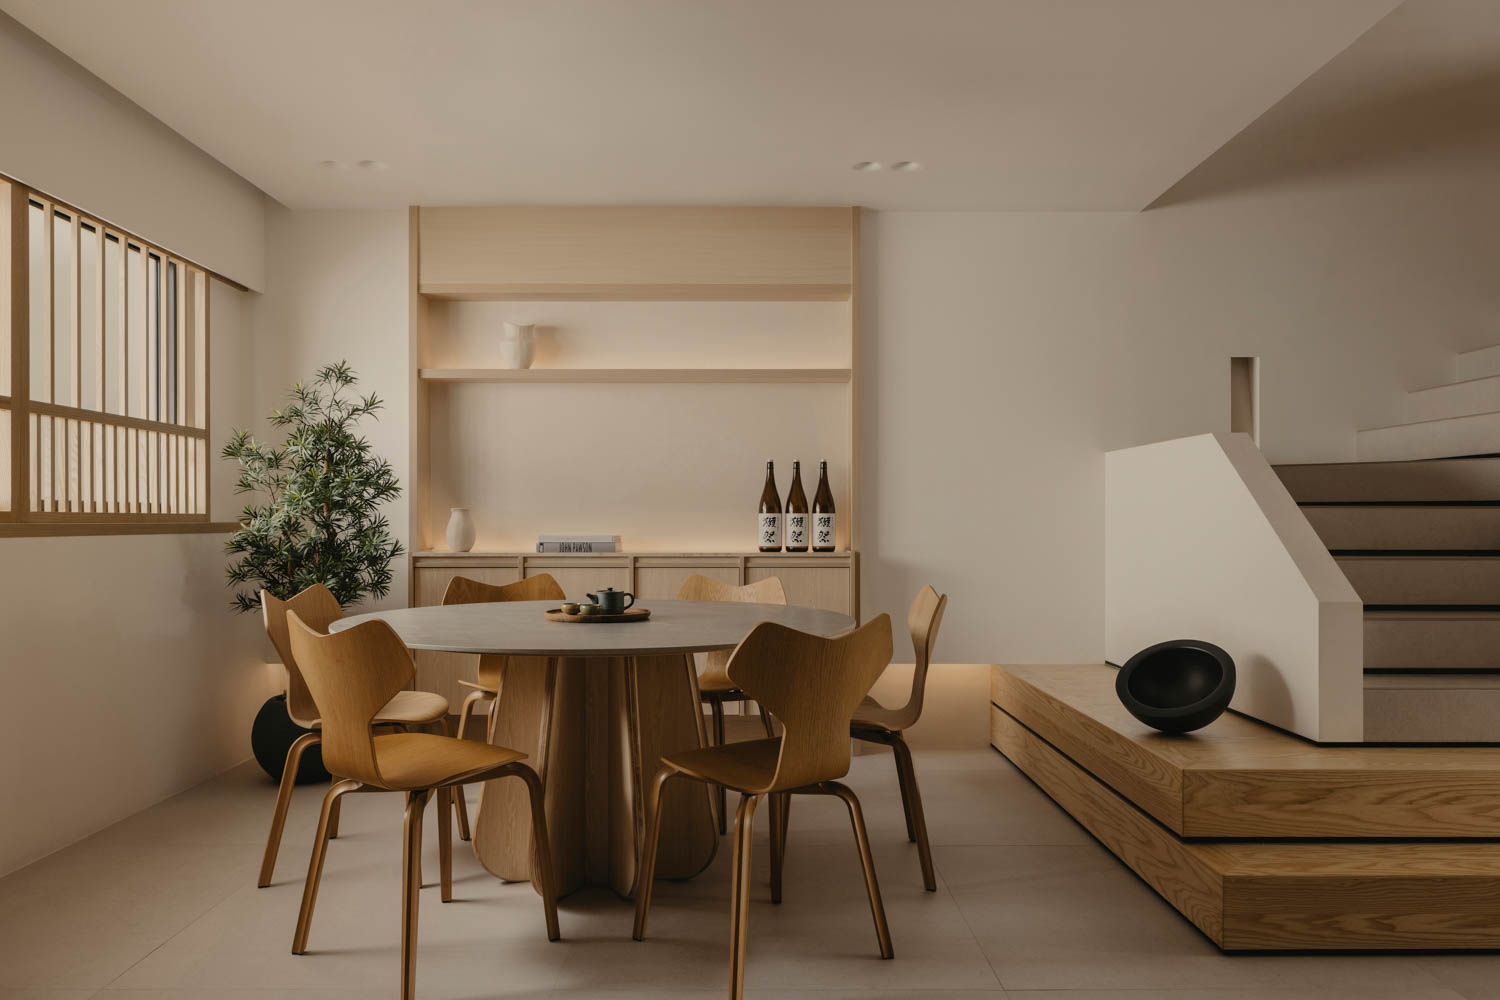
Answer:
[(1177, 686), (272, 736)]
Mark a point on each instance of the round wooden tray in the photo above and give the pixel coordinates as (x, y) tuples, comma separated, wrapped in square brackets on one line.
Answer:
[(629, 615)]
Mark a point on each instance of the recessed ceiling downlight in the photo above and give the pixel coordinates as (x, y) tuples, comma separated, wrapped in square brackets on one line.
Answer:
[(374, 165), (333, 165), (866, 166), (906, 166)]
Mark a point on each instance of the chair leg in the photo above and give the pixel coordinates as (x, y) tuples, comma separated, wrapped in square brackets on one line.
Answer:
[(411, 889), (717, 708), (283, 801), (905, 786), (857, 819), (778, 845), (542, 872), (916, 822), (765, 720), (315, 866), (457, 796), (338, 811), (646, 870), (740, 914), (445, 843)]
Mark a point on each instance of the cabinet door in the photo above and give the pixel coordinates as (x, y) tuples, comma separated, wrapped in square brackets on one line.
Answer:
[(663, 582), (826, 587), (440, 672), (579, 576)]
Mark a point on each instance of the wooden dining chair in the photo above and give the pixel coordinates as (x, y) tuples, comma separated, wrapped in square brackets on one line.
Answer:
[(352, 674), (462, 590), (812, 685), (715, 689), (874, 723), (404, 710)]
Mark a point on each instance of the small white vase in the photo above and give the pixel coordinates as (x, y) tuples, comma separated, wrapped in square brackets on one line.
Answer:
[(517, 345), (460, 530)]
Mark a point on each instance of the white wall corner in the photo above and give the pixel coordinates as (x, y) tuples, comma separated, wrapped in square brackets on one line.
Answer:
[(1203, 541)]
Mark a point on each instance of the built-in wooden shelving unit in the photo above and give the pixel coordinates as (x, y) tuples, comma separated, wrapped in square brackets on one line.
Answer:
[(742, 322), (638, 375)]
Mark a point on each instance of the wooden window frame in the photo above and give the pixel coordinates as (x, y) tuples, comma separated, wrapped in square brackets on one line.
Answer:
[(177, 497)]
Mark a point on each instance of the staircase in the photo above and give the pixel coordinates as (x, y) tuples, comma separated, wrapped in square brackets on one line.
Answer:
[(1459, 418), (1420, 542)]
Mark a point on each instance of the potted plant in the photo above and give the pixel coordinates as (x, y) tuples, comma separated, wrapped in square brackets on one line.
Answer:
[(319, 522)]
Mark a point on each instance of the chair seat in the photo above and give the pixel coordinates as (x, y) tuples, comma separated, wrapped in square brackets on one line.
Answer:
[(717, 683), (872, 715), (409, 761), (747, 766), (414, 707), (477, 686)]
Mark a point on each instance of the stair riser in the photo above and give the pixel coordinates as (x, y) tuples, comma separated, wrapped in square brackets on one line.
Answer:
[(1394, 482), (1432, 715), (1432, 643), (1424, 580), (1477, 364), (1458, 528), (1473, 435), (1456, 400)]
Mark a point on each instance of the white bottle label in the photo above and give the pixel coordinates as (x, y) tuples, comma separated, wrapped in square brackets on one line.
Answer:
[(796, 531), (770, 530), (823, 530)]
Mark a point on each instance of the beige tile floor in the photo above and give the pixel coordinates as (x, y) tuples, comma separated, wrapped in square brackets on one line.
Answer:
[(1028, 907)]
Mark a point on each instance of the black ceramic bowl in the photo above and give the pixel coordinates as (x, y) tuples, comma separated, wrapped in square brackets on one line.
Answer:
[(1177, 686)]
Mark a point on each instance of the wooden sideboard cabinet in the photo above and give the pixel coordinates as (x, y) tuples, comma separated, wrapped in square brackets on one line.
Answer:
[(828, 580)]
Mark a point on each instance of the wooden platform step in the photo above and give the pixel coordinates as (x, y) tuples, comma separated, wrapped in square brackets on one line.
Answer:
[(1239, 778), (1280, 896)]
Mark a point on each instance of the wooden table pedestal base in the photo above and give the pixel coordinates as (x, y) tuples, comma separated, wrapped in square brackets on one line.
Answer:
[(595, 729)]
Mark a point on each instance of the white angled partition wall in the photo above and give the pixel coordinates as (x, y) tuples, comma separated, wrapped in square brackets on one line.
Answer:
[(1202, 541)]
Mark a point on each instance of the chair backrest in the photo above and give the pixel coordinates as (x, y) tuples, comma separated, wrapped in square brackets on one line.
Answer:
[(812, 685), (703, 588), (922, 621), (352, 674), (542, 587), (318, 608)]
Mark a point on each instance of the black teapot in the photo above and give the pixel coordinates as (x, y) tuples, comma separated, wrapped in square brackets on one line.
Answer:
[(611, 601)]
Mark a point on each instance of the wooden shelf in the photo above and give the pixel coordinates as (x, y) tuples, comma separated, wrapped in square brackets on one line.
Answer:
[(569, 292), (642, 375)]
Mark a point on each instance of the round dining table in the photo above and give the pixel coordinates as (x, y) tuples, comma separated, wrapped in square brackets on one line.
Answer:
[(594, 706)]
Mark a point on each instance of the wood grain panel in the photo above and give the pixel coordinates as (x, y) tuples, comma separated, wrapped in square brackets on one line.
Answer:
[(1238, 778), (607, 252), (811, 586), (1282, 896), (1182, 876), (1126, 755)]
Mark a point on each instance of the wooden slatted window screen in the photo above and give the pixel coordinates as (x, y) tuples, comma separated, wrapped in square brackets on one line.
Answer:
[(104, 396)]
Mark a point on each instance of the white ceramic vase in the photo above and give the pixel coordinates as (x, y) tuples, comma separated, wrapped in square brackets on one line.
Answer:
[(460, 530), (517, 345)]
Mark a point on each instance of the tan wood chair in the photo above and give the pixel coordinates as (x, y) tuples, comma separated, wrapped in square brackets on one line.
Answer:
[(714, 686), (874, 723), (462, 590), (352, 674), (406, 709), (812, 685)]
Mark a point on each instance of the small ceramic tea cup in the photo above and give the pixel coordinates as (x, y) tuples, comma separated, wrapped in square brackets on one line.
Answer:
[(588, 609), (569, 609)]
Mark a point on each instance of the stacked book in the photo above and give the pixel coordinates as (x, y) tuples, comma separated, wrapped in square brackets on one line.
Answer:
[(578, 543)]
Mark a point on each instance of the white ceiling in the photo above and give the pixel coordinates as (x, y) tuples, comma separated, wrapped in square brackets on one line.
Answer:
[(1008, 104)]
